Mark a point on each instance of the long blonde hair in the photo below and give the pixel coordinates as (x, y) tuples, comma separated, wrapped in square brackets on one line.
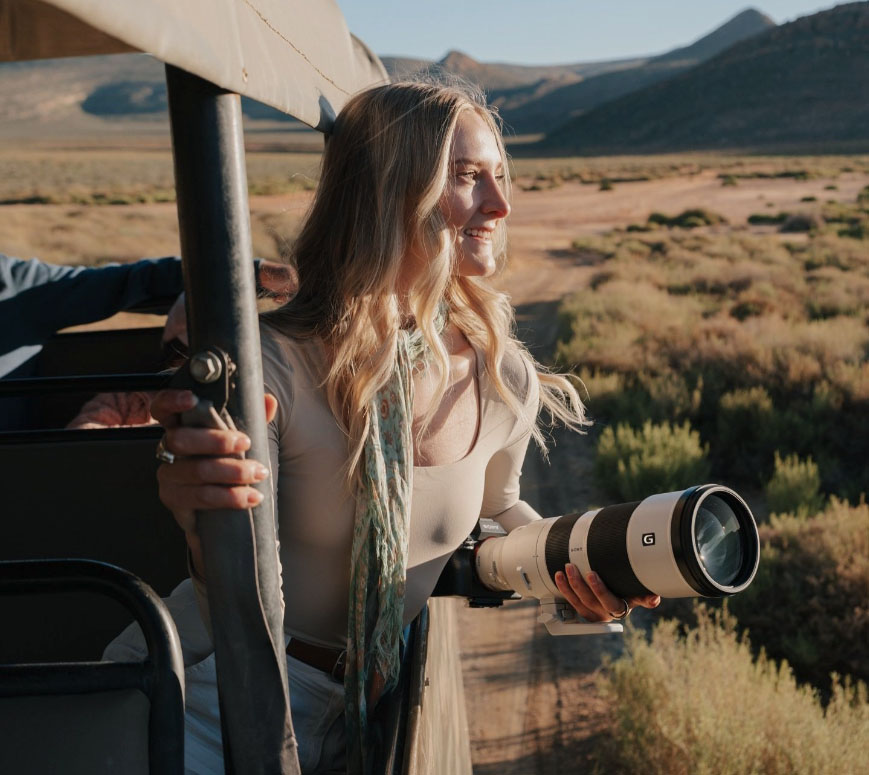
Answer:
[(384, 171)]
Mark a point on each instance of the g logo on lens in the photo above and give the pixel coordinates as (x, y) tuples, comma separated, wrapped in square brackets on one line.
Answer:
[(648, 539)]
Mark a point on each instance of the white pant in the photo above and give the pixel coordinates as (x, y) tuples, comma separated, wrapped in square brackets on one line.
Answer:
[(316, 701)]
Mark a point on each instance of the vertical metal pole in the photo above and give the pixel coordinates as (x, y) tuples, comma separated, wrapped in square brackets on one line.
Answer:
[(239, 548)]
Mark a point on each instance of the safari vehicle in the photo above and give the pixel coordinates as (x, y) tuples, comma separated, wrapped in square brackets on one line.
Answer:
[(80, 505)]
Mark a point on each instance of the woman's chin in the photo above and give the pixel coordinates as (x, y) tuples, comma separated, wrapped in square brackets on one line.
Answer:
[(477, 266)]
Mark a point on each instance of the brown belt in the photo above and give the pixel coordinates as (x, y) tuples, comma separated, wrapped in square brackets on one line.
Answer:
[(328, 660)]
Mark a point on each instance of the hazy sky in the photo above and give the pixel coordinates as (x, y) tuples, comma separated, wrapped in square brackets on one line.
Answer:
[(547, 31)]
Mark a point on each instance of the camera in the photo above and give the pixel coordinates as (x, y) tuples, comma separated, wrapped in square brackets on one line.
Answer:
[(699, 542)]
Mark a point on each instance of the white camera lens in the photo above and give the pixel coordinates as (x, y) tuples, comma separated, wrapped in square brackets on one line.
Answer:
[(697, 542)]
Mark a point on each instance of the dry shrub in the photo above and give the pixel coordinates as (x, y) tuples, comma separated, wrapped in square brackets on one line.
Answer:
[(700, 704), (631, 464), (688, 219), (108, 176), (794, 487), (799, 222), (809, 603), (98, 235), (731, 312), (745, 434)]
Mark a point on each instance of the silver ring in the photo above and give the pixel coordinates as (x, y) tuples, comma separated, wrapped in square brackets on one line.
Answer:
[(623, 614), (162, 454)]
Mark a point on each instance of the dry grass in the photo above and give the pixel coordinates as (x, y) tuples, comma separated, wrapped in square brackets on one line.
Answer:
[(700, 704), (731, 168), (809, 603), (785, 316), (55, 176), (95, 235)]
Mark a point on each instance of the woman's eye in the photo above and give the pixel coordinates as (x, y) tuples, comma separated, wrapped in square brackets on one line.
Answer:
[(467, 175)]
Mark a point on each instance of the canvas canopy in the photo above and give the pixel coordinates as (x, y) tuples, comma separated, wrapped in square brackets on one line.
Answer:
[(295, 55)]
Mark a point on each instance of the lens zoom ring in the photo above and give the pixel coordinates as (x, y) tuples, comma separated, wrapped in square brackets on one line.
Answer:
[(608, 550), (558, 544)]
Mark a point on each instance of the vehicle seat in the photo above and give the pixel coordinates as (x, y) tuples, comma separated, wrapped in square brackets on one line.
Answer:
[(91, 718)]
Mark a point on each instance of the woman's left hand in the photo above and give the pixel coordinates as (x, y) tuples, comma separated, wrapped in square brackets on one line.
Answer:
[(593, 600)]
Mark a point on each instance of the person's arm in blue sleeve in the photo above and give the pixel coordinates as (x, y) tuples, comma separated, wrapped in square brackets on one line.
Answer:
[(37, 299)]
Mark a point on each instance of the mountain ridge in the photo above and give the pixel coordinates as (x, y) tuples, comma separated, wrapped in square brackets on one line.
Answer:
[(553, 106), (803, 82)]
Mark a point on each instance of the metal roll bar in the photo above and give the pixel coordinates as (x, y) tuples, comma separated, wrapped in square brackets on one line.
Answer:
[(239, 547)]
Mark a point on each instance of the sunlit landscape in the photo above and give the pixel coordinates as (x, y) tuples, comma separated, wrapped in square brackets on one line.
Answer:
[(714, 304)]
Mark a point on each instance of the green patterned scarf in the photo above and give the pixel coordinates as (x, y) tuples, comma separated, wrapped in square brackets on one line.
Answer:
[(379, 554)]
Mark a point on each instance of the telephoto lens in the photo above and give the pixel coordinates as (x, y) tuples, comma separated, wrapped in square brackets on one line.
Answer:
[(699, 542)]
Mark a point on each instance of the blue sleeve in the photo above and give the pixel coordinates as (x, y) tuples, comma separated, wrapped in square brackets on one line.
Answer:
[(37, 299)]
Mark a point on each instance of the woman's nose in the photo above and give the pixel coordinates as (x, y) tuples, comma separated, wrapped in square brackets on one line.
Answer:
[(495, 203)]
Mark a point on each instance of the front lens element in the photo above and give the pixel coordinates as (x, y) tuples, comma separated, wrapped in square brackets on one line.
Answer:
[(718, 540)]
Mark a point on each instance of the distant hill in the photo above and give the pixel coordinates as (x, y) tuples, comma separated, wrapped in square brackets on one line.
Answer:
[(501, 75), (746, 82), (76, 94), (742, 26), (56, 88), (804, 83), (554, 103)]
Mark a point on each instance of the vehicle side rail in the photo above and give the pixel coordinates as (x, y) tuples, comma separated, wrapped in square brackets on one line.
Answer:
[(98, 383)]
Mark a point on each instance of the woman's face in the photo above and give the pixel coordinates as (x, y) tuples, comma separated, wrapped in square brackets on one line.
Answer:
[(474, 202)]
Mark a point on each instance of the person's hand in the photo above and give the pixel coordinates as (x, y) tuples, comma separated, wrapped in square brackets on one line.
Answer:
[(278, 282), (593, 600), (207, 472)]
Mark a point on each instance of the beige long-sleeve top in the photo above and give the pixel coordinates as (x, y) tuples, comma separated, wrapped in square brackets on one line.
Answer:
[(315, 511)]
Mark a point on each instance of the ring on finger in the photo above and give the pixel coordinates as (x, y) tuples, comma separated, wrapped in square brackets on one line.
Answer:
[(162, 454), (622, 614)]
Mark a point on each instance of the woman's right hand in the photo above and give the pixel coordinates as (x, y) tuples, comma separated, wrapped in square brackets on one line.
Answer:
[(207, 472)]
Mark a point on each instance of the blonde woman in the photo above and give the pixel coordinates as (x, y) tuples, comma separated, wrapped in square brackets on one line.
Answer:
[(400, 406)]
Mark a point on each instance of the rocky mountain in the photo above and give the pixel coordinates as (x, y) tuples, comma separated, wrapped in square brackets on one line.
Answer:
[(747, 83), (501, 75), (805, 83), (552, 104)]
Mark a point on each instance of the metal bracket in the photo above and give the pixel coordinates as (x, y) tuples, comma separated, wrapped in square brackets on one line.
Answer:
[(209, 374), (560, 619)]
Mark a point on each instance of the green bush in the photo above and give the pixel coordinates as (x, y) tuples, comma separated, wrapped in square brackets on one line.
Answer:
[(858, 228), (765, 219), (809, 602), (798, 222), (745, 434), (795, 486), (688, 219), (701, 705), (632, 464)]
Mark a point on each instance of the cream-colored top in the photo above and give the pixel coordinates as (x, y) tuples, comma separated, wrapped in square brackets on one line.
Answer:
[(315, 512)]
